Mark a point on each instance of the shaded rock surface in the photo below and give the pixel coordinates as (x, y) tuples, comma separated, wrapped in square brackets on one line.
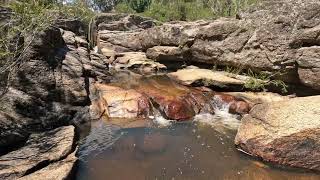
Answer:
[(276, 36), (286, 132), (39, 151), (51, 85)]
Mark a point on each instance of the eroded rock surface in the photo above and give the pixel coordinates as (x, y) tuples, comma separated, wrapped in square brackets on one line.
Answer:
[(281, 37), (39, 151), (157, 95), (286, 132), (60, 170), (175, 101), (50, 87), (136, 60)]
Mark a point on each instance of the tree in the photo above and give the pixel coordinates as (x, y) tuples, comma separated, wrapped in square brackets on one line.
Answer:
[(104, 5)]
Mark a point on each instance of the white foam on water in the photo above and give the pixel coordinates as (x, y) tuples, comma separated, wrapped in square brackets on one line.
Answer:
[(161, 121), (222, 119)]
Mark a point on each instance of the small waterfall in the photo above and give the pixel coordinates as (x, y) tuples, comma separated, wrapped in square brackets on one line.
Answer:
[(159, 120), (222, 120)]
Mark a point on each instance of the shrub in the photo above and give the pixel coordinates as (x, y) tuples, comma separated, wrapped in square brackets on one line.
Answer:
[(104, 5), (30, 17), (259, 81), (139, 6), (171, 10)]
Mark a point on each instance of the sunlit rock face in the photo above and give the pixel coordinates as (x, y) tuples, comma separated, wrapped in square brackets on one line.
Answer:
[(276, 36), (120, 103), (285, 132), (144, 96)]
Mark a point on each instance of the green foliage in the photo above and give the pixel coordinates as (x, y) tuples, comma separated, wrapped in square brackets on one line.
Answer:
[(78, 10), (124, 8), (104, 5), (139, 6), (256, 81), (30, 17), (259, 81), (189, 10)]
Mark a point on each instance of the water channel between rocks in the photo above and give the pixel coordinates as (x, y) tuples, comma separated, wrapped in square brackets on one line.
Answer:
[(199, 149)]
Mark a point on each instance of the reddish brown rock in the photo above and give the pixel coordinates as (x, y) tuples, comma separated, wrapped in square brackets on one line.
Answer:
[(225, 97), (175, 101), (236, 105), (239, 107)]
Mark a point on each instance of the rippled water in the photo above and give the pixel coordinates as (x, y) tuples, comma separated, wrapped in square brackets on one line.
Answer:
[(202, 149), (180, 151)]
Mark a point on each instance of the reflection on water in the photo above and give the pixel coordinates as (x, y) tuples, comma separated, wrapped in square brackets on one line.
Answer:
[(181, 151), (201, 150)]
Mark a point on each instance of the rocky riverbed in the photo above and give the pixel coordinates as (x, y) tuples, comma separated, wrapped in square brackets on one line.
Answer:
[(142, 76)]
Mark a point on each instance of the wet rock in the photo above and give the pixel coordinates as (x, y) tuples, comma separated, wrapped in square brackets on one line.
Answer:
[(175, 101), (239, 107), (120, 103), (39, 151), (236, 105), (58, 170), (285, 132)]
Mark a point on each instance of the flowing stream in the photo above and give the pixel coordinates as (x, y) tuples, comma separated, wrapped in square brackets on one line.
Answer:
[(202, 148)]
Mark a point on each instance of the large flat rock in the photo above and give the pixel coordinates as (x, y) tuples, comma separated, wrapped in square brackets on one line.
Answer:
[(286, 132), (39, 151), (208, 77)]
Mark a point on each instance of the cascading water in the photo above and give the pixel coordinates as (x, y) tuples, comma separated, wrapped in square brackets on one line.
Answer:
[(198, 149), (221, 120)]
